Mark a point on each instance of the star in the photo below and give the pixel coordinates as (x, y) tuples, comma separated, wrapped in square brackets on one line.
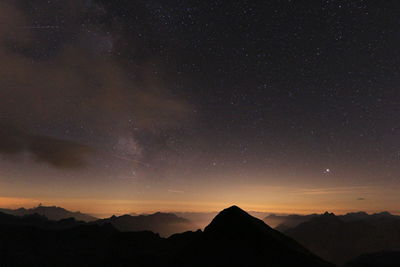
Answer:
[(327, 171)]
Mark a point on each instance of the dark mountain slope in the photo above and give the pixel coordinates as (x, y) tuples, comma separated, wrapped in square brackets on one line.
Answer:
[(337, 240)]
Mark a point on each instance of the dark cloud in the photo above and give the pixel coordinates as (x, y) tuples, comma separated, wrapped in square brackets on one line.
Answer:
[(76, 82), (60, 77), (56, 152), (360, 198)]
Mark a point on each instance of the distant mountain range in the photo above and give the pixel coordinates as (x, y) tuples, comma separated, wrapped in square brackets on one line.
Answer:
[(52, 213), (164, 224), (37, 221), (233, 238), (341, 238), (292, 220)]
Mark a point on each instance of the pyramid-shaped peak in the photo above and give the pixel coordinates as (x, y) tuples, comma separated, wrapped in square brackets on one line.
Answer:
[(232, 214), (233, 210), (233, 207), (235, 235), (234, 220)]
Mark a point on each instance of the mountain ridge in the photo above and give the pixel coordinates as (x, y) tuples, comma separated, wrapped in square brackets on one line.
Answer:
[(51, 212)]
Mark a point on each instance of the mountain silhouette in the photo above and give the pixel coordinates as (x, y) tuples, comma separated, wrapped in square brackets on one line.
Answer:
[(165, 224), (52, 213), (233, 238), (341, 238)]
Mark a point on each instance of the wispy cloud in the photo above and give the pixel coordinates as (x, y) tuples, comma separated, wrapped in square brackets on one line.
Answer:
[(176, 191), (336, 190)]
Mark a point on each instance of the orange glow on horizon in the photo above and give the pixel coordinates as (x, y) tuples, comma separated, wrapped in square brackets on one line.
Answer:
[(105, 208)]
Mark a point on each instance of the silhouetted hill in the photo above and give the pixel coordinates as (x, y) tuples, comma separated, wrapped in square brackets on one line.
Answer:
[(52, 213), (341, 238), (233, 238), (377, 259), (165, 224)]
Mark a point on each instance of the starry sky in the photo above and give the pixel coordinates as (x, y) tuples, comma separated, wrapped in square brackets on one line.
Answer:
[(143, 105)]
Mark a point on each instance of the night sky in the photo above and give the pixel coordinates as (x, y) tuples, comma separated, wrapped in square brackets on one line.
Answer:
[(143, 105)]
